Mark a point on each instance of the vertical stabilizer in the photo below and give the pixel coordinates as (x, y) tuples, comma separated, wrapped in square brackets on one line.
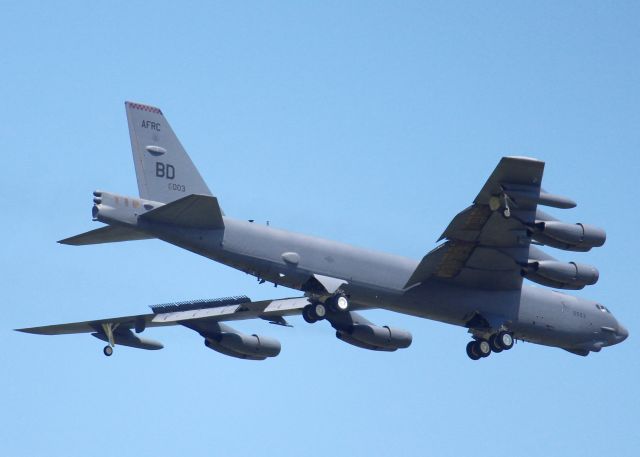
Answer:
[(164, 170)]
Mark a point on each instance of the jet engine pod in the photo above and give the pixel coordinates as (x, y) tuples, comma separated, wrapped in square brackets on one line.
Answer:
[(562, 275), (570, 237), (376, 338), (242, 346)]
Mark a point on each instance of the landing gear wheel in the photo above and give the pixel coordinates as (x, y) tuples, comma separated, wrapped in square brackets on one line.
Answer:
[(108, 351), (506, 340), (471, 350), (506, 213), (307, 315), (318, 311), (314, 312), (482, 348), (338, 303), (494, 342), (342, 304)]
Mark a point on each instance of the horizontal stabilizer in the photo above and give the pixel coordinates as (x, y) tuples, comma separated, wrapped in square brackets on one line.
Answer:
[(193, 211), (108, 234)]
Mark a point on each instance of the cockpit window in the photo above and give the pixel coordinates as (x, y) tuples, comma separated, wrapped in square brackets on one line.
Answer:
[(603, 308)]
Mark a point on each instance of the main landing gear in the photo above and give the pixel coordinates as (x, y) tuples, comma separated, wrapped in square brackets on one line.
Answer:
[(498, 342), (314, 312), (317, 311)]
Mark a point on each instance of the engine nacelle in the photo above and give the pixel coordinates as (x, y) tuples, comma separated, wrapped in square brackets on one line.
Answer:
[(570, 237), (561, 275), (376, 338), (242, 346)]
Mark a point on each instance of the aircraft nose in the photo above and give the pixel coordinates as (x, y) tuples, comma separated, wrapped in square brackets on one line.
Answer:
[(622, 333)]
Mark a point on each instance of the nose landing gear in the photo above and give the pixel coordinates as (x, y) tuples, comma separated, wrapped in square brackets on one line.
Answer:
[(481, 348)]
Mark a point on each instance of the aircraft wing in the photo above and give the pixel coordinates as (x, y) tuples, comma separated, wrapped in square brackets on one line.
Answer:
[(488, 243), (207, 316), (216, 310)]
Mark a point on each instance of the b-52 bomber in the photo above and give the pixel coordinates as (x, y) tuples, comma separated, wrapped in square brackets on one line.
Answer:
[(473, 279)]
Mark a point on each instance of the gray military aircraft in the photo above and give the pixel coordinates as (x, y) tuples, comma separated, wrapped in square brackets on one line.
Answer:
[(474, 279)]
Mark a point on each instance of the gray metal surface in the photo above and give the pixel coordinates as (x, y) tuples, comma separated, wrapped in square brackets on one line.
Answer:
[(164, 170), (474, 279)]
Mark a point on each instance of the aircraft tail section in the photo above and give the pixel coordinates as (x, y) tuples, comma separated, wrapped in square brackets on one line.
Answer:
[(164, 170), (129, 218), (194, 211)]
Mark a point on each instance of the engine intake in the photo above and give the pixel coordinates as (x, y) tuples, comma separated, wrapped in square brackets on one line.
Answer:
[(561, 275), (570, 237)]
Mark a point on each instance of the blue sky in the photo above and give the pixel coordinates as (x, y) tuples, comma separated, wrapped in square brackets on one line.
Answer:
[(372, 123)]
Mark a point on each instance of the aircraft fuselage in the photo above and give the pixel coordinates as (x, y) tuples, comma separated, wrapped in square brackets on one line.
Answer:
[(377, 280)]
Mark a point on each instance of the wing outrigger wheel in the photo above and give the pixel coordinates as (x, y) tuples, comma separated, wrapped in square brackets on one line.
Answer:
[(501, 202), (108, 329)]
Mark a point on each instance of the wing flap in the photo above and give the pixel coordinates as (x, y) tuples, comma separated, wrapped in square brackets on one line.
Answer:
[(196, 314), (285, 307)]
